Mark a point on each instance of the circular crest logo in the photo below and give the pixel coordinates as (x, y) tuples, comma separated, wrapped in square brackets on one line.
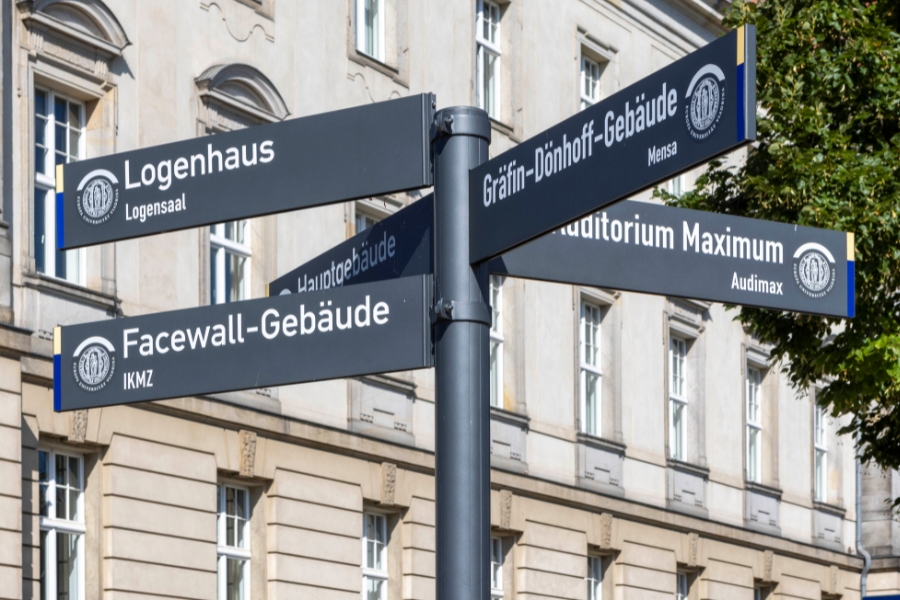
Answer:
[(94, 364), (704, 102), (814, 270), (98, 196)]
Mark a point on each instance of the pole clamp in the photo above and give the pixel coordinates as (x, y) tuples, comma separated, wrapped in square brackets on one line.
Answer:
[(476, 312)]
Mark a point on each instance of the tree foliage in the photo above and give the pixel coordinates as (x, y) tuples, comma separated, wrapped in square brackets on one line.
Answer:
[(828, 155)]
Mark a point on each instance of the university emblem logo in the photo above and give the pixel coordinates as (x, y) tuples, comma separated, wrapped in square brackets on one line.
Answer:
[(814, 270), (704, 102), (97, 196), (94, 363)]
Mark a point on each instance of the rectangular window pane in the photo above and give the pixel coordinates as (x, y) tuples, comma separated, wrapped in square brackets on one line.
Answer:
[(213, 276), (496, 400), (59, 110), (490, 82), (67, 566), (234, 578), (592, 403), (235, 277), (40, 102), (753, 451), (595, 578), (375, 589), (678, 427)]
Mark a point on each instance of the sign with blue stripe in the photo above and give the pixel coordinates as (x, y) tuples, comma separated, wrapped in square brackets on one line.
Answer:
[(681, 116)]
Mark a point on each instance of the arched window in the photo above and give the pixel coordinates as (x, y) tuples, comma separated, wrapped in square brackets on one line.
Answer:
[(233, 97)]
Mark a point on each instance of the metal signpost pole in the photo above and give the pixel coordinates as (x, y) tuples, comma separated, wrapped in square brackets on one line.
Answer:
[(460, 138)]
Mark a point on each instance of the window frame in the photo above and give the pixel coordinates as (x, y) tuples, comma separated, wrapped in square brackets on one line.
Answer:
[(496, 567), (220, 246), (44, 182), (587, 369), (485, 48), (224, 552), (377, 30), (682, 586), (754, 428), (820, 449), (594, 577), (53, 526), (678, 400), (371, 573), (496, 337), (589, 64)]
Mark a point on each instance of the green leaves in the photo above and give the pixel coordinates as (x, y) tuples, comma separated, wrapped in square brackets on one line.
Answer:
[(828, 155)]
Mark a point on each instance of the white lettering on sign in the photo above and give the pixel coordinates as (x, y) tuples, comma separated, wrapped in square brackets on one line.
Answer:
[(305, 321), (755, 284), (555, 156), (371, 254), (152, 209), (640, 233), (212, 161)]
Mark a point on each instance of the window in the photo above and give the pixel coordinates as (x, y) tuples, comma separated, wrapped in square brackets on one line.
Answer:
[(364, 221), (681, 586), (677, 399), (590, 82), (675, 186), (487, 57), (374, 570), (58, 139), (229, 262), (370, 28), (754, 425), (61, 483), (233, 543), (497, 341), (496, 567), (589, 366), (821, 457), (595, 578)]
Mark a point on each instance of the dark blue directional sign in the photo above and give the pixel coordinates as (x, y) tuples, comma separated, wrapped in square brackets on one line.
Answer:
[(341, 332), (354, 153), (631, 246), (399, 246), (655, 249), (693, 110)]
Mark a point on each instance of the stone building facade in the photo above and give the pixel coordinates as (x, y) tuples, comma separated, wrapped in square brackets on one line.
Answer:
[(642, 447)]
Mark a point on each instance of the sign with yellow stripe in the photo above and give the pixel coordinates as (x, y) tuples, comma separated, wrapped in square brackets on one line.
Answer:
[(699, 107)]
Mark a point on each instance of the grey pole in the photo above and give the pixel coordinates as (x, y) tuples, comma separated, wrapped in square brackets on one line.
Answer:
[(460, 138)]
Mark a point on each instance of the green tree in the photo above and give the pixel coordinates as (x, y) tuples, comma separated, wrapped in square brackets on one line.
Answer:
[(828, 155)]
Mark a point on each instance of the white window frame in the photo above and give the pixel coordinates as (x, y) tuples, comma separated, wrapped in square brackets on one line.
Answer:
[(754, 424), (226, 552), (373, 573), (44, 188), (594, 578), (362, 40), (591, 316), (820, 454), (219, 248), (675, 186), (365, 219), (496, 568), (496, 333), (485, 50), (589, 83), (678, 400), (682, 587), (54, 525)]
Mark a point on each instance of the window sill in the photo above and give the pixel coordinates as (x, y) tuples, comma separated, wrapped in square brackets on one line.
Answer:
[(510, 417), (386, 69), (680, 465), (504, 129), (61, 287), (752, 486), (602, 443), (831, 509)]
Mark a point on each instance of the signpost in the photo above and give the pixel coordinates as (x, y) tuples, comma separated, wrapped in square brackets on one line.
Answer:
[(332, 157), (315, 325), (631, 246), (369, 328), (693, 110)]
